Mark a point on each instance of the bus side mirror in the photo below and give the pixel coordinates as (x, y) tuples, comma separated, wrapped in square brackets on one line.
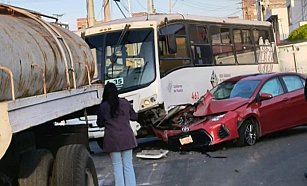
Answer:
[(172, 47)]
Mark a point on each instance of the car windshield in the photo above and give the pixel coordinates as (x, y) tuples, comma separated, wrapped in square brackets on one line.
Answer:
[(230, 89)]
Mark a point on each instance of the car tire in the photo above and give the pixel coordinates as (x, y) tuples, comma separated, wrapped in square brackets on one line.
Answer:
[(35, 168), (74, 167), (247, 133)]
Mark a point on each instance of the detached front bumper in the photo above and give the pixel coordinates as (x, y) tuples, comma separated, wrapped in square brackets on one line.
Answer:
[(202, 134)]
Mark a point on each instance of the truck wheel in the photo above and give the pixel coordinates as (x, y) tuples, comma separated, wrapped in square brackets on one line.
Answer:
[(35, 168), (247, 133), (74, 167), (5, 180)]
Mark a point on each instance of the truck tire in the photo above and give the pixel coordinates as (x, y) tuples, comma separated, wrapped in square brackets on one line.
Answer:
[(35, 168), (74, 167), (5, 180)]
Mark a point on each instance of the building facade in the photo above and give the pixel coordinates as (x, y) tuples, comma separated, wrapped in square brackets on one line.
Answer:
[(249, 10), (274, 11), (297, 13)]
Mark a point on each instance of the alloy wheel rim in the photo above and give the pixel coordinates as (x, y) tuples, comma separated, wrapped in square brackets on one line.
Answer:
[(250, 134)]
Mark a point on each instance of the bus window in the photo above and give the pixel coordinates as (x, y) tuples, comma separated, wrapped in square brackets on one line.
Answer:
[(198, 34), (261, 34), (264, 46), (179, 58), (245, 50), (200, 45), (222, 46), (225, 36)]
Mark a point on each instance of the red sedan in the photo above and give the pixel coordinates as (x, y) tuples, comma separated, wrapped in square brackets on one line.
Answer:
[(242, 109)]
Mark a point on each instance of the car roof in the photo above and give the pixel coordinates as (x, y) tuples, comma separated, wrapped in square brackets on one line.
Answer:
[(262, 76)]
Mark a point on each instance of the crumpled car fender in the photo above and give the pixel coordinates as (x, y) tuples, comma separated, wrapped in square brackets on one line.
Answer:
[(229, 123)]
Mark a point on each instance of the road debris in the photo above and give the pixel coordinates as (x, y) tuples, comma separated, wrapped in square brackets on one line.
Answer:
[(152, 154)]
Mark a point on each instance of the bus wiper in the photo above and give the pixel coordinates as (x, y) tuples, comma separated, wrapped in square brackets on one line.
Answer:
[(123, 34), (119, 41)]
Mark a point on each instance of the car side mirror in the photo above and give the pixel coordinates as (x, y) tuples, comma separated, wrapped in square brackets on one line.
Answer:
[(265, 96)]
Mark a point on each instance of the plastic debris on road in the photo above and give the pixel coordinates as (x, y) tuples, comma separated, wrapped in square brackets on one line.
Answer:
[(152, 154)]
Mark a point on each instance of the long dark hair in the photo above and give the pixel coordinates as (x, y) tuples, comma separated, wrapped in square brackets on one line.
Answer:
[(110, 95)]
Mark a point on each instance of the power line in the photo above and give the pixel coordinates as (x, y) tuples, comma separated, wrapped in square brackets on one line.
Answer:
[(100, 11), (174, 3), (204, 5), (234, 13), (120, 9), (199, 6), (140, 4), (124, 6)]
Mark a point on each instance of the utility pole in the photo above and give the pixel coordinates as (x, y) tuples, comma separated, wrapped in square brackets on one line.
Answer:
[(170, 6), (129, 8), (106, 10), (150, 6), (90, 13), (261, 9), (149, 2)]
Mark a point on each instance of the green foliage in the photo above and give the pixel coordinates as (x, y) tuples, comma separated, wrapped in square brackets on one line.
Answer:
[(298, 34)]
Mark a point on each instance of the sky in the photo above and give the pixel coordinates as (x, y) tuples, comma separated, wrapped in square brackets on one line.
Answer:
[(73, 9)]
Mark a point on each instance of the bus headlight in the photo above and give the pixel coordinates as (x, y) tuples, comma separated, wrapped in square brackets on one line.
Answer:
[(146, 102), (149, 101)]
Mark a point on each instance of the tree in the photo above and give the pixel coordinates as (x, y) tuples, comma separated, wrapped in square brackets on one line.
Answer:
[(298, 34)]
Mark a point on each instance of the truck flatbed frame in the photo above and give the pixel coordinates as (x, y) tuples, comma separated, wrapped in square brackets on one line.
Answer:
[(24, 113)]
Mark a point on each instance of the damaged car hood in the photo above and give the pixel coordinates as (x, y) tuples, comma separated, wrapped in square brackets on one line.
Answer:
[(211, 106)]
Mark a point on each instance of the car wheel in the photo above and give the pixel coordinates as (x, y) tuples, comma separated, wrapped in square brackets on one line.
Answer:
[(247, 133)]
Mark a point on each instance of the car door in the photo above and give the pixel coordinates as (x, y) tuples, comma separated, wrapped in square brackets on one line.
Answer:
[(271, 111), (296, 105)]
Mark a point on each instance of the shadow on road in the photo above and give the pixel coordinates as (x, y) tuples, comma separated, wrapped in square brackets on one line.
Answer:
[(289, 132), (153, 143)]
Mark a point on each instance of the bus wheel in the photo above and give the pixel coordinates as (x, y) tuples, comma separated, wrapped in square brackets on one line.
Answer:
[(247, 133), (35, 168), (74, 167)]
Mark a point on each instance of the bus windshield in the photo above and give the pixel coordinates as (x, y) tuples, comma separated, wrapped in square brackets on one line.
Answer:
[(125, 57)]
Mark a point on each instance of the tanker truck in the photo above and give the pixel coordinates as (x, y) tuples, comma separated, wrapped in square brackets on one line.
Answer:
[(46, 76)]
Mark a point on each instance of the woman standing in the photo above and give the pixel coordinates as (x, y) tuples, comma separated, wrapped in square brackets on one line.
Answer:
[(114, 114)]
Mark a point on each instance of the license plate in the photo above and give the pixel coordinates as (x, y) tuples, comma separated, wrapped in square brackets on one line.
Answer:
[(186, 140)]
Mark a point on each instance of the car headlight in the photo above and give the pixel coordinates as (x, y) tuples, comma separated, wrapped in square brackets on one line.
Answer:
[(217, 118)]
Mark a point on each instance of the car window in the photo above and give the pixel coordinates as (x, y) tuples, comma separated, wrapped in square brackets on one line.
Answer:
[(292, 82), (273, 87), (303, 81), (244, 88), (223, 90)]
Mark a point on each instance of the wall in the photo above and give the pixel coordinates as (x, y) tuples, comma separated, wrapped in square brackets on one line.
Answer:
[(297, 10)]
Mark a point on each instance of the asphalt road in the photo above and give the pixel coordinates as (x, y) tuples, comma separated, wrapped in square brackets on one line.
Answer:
[(279, 159)]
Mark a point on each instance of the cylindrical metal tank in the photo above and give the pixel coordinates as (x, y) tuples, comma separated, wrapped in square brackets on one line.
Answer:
[(41, 57)]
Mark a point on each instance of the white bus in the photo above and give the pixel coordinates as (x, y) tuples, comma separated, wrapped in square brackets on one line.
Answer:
[(162, 61)]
